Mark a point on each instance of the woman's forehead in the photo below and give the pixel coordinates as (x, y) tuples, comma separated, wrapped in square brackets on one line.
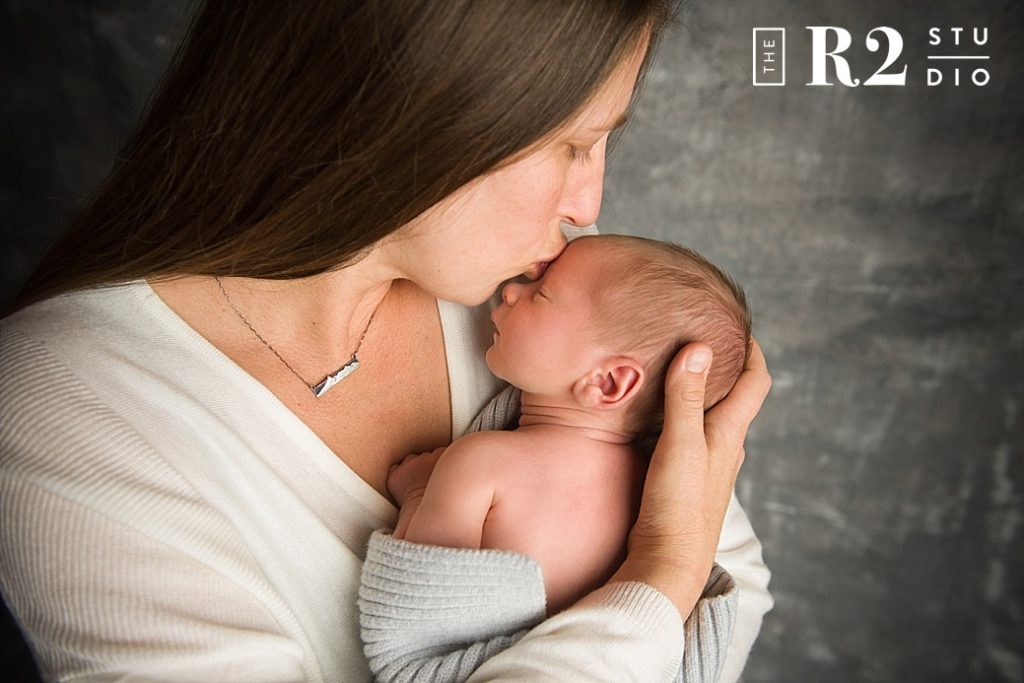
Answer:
[(608, 109)]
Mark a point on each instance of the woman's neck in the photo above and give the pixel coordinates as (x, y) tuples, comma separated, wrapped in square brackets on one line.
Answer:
[(315, 323), (320, 312)]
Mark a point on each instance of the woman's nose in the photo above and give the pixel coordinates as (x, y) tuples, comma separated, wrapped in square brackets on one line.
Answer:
[(581, 202)]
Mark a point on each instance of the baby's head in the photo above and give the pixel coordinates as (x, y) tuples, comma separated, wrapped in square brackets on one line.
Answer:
[(603, 323), (656, 298)]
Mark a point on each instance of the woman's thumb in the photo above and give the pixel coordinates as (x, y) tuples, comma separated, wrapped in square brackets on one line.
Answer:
[(684, 394)]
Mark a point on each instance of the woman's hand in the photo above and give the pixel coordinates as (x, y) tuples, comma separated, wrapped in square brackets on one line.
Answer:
[(691, 477)]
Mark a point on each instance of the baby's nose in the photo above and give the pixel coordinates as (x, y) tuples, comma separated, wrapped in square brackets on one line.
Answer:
[(510, 294)]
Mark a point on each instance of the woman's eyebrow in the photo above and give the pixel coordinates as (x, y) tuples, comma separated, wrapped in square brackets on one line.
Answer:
[(617, 123)]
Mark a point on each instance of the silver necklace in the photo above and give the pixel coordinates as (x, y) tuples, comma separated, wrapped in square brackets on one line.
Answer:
[(324, 385)]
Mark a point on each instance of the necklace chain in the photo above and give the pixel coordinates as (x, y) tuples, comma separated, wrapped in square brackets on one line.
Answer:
[(327, 382)]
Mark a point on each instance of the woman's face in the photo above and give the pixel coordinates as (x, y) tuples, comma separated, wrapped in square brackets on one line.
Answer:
[(506, 223)]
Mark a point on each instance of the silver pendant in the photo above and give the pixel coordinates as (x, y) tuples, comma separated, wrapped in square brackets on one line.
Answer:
[(330, 380)]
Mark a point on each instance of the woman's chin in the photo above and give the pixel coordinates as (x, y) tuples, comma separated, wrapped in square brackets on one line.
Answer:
[(470, 299)]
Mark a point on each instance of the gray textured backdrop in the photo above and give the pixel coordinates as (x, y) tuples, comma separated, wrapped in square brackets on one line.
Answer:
[(878, 231)]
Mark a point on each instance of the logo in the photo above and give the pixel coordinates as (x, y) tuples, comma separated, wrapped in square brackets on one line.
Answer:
[(953, 57), (769, 56)]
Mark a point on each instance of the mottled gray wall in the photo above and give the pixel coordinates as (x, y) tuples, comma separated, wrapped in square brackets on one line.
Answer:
[(879, 233)]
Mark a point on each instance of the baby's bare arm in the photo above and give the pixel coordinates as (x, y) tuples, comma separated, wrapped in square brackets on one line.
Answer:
[(459, 494), (407, 482)]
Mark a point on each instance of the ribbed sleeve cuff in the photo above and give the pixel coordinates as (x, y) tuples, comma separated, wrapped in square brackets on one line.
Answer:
[(638, 602), (706, 633), (709, 629), (439, 612)]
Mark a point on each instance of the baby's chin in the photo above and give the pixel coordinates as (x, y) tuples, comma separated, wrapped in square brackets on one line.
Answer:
[(490, 364)]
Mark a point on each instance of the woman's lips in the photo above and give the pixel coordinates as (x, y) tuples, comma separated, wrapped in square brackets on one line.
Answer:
[(537, 271)]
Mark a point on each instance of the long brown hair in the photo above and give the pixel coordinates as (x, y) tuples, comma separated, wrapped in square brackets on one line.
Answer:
[(285, 138)]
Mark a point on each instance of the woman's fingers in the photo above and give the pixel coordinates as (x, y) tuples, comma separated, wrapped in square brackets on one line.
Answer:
[(726, 424), (674, 511), (684, 399), (678, 466), (691, 476), (671, 545)]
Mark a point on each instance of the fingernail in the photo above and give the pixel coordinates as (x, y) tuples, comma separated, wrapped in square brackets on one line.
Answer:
[(698, 361)]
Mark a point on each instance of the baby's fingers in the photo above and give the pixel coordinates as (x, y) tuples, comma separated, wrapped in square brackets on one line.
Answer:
[(412, 473)]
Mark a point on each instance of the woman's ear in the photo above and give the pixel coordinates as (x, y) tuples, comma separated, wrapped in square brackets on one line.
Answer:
[(612, 384)]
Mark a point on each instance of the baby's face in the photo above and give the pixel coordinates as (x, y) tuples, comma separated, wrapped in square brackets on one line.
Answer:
[(546, 330)]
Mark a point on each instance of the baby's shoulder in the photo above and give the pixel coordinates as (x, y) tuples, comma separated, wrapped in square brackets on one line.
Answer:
[(490, 455), (490, 445)]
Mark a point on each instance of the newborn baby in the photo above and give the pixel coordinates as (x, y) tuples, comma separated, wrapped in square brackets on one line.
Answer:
[(588, 344)]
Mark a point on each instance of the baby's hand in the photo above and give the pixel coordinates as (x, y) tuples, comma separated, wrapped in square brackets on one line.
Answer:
[(408, 479)]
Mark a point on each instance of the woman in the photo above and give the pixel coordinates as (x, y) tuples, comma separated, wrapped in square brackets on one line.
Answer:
[(193, 461)]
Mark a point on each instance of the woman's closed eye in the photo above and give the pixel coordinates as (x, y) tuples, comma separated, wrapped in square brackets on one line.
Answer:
[(581, 154)]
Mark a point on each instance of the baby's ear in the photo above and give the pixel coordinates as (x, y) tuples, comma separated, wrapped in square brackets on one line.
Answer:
[(610, 385)]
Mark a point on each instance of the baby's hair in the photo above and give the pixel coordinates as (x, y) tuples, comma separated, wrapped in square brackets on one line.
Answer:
[(658, 298)]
